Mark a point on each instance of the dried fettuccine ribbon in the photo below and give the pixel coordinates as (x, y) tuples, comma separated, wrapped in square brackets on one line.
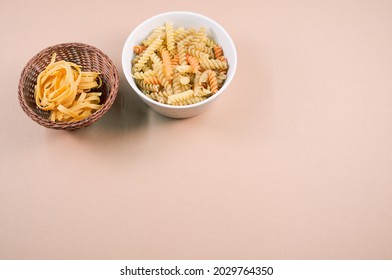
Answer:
[(65, 90)]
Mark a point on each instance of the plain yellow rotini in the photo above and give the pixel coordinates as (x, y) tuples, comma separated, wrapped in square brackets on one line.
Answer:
[(176, 83), (181, 53), (142, 75), (170, 38), (180, 96)]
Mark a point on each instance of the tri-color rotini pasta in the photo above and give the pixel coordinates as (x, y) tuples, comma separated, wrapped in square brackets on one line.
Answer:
[(179, 66)]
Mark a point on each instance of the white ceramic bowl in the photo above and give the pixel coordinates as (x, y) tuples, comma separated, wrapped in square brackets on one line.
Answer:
[(187, 20)]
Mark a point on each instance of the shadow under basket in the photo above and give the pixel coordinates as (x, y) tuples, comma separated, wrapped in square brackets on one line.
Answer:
[(90, 59)]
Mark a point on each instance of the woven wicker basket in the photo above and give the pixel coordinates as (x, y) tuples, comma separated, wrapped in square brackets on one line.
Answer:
[(91, 59)]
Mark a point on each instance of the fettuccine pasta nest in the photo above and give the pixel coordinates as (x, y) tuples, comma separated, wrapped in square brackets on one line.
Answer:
[(65, 90)]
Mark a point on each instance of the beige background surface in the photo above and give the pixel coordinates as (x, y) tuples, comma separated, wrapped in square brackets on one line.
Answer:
[(294, 161)]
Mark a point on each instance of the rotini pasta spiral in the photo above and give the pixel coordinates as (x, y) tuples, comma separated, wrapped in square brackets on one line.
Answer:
[(160, 96), (182, 53), (170, 38), (180, 96), (176, 83), (164, 82), (147, 54), (138, 49), (147, 86), (193, 63), (218, 51), (189, 101), (212, 81), (151, 80), (213, 64), (142, 75), (156, 61), (198, 54), (166, 60), (203, 48), (155, 96)]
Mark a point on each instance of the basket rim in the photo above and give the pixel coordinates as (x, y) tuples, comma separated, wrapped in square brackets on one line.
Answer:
[(69, 125)]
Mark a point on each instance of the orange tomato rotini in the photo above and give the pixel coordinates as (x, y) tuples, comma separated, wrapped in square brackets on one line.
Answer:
[(193, 63), (138, 49), (166, 60), (218, 51), (212, 81)]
